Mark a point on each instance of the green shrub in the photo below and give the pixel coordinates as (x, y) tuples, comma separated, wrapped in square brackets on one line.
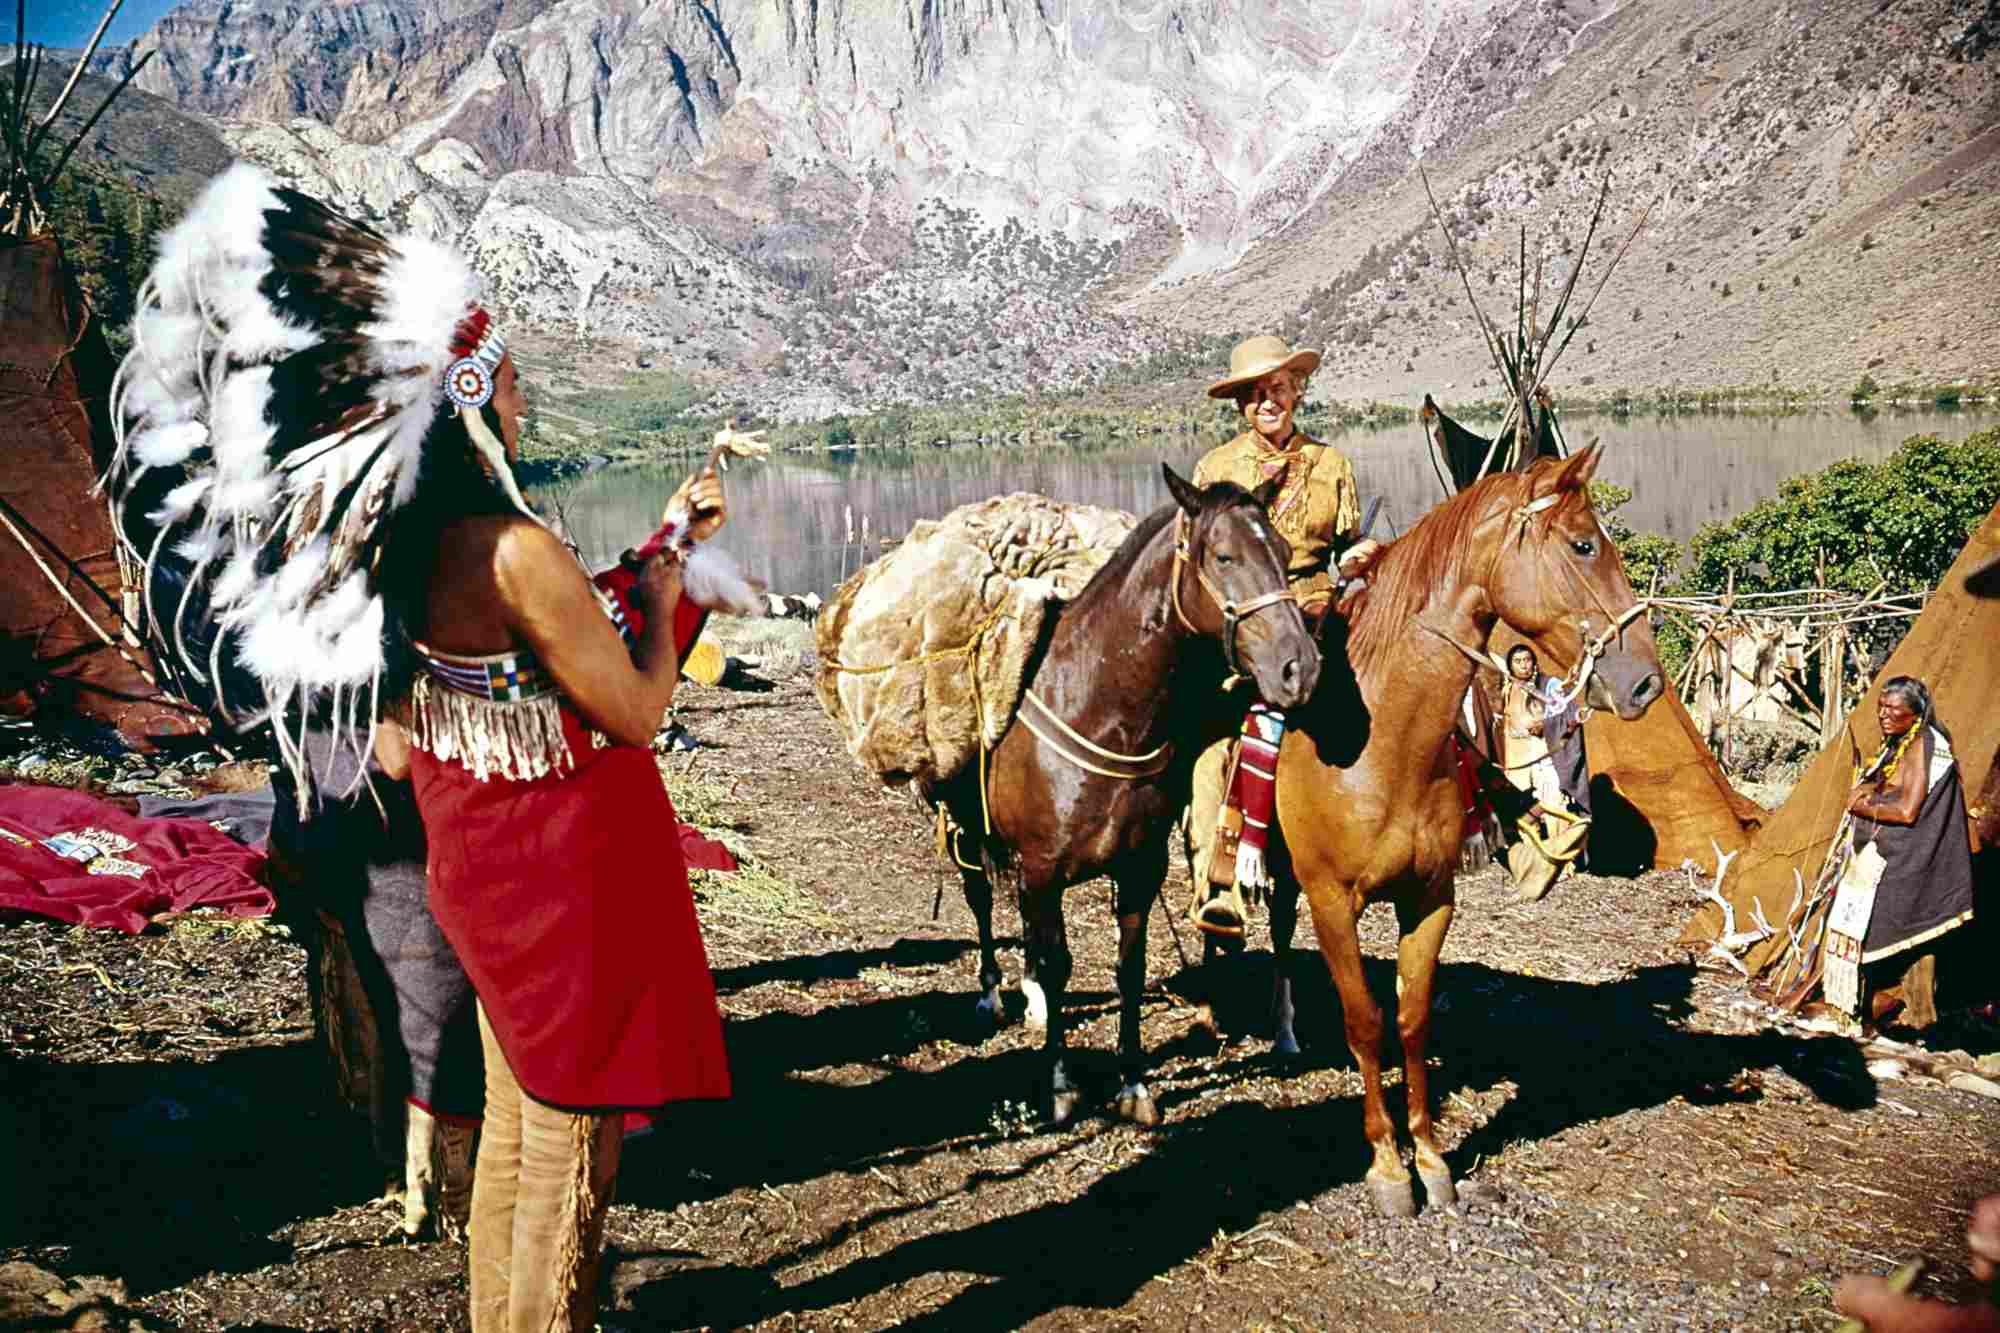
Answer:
[(1865, 389), (1897, 525), (1644, 553), (1901, 521)]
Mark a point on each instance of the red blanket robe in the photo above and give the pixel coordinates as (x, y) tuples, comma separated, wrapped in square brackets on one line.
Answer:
[(567, 899)]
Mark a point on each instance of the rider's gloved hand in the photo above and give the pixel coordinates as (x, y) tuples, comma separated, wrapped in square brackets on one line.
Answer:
[(1355, 560)]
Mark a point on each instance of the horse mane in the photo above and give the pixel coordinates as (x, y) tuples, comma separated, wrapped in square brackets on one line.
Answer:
[(1127, 554), (1215, 497), (1421, 564)]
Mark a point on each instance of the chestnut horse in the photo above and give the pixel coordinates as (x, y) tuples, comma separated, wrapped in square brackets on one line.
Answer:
[(1092, 774), (1370, 811)]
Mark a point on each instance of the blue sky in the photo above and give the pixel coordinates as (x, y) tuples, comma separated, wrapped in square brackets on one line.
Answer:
[(70, 22)]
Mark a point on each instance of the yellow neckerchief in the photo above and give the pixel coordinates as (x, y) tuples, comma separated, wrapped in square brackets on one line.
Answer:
[(1899, 745)]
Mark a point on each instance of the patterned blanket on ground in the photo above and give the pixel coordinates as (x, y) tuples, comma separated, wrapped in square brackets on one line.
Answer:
[(924, 652)]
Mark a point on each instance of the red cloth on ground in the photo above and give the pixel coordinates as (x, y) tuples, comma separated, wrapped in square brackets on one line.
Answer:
[(122, 870), (567, 900), (702, 852)]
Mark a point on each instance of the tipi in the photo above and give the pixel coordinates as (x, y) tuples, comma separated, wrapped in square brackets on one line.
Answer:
[(1658, 796), (69, 637), (1949, 648)]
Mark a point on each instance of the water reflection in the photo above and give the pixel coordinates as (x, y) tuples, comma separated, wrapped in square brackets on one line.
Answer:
[(789, 516)]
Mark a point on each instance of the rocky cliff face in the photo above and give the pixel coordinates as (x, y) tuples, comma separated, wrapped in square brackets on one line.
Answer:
[(861, 200)]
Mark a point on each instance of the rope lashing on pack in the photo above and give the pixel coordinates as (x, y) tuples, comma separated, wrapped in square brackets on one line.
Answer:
[(970, 651), (1134, 766)]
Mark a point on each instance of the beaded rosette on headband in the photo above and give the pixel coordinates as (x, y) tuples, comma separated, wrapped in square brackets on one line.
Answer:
[(288, 367), (469, 381)]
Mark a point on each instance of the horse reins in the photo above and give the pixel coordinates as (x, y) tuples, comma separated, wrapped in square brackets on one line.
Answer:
[(1615, 622), (1129, 767), (1233, 614)]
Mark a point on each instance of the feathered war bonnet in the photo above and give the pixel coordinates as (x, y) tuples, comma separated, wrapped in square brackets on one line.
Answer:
[(288, 365)]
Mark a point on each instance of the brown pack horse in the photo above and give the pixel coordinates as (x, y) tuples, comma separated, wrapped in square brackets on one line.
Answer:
[(1369, 811), (1095, 769)]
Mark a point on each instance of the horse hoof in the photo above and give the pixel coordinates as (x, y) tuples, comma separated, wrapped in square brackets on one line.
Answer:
[(1135, 1104), (1393, 1197), (1439, 1192), (1038, 1003), (1062, 1106), (1285, 1045)]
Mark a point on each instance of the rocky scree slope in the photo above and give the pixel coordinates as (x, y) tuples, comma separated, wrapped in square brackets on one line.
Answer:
[(828, 207)]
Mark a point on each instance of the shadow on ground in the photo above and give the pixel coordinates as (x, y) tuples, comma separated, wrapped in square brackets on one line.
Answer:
[(1579, 1052), (163, 1171)]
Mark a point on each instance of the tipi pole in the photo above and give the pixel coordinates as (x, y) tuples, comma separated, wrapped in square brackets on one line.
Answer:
[(98, 114), (62, 98)]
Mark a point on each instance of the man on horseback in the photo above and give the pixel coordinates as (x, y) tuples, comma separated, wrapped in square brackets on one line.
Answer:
[(1318, 511)]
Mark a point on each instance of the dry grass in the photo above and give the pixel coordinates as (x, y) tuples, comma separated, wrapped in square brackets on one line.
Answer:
[(773, 649), (739, 908)]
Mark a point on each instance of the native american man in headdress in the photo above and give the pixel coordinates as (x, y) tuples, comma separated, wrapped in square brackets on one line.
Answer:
[(1317, 510), (319, 422)]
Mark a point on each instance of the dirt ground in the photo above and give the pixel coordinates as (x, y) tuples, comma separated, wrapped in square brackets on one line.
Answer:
[(1636, 1148)]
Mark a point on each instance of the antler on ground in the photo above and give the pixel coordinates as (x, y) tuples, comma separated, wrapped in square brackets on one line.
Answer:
[(1731, 941)]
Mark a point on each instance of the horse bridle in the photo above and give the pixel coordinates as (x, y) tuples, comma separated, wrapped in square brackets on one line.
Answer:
[(1129, 767), (1233, 613), (1615, 622), (1593, 647)]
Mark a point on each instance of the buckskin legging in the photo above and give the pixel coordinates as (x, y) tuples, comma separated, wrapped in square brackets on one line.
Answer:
[(539, 1196)]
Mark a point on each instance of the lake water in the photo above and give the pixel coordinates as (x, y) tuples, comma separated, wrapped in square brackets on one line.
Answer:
[(789, 516)]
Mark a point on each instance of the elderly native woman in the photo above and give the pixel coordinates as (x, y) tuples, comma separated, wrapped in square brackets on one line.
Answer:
[(1908, 804), (319, 420), (1317, 511)]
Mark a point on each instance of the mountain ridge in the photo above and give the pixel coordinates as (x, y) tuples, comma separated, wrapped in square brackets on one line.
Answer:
[(829, 207)]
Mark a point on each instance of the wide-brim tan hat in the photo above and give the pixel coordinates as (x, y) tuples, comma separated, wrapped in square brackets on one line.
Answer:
[(1254, 358)]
